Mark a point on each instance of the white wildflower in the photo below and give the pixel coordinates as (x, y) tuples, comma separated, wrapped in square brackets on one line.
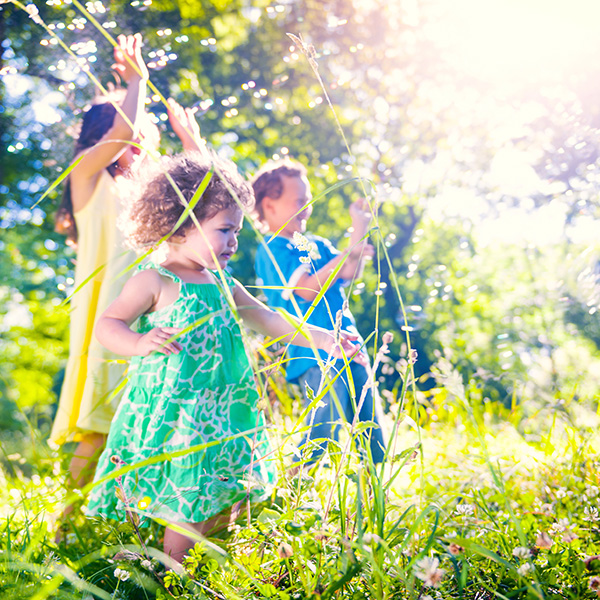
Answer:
[(121, 574), (560, 525), (302, 244), (300, 241), (592, 491), (428, 571), (590, 513), (521, 552), (524, 569), (569, 536), (465, 509), (146, 564), (543, 540)]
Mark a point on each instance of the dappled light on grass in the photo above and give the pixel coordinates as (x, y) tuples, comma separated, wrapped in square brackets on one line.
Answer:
[(506, 501)]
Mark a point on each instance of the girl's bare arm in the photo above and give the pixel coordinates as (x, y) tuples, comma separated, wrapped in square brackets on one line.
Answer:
[(113, 330), (262, 319)]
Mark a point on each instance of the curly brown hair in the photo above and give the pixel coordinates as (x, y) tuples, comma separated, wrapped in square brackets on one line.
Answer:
[(268, 181), (153, 214)]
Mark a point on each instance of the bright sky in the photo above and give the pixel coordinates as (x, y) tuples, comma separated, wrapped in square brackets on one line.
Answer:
[(507, 48), (512, 42)]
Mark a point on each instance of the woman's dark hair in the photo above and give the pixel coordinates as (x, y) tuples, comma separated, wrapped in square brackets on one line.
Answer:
[(154, 212), (96, 122)]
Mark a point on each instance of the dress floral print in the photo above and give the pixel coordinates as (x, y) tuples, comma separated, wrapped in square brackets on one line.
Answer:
[(188, 420)]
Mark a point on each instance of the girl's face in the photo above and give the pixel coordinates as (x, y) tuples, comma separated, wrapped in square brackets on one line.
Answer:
[(217, 241)]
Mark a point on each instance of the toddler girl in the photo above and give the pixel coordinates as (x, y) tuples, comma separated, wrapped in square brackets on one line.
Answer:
[(191, 393)]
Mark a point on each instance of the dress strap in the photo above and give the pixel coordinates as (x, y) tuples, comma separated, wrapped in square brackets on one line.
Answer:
[(228, 278), (156, 267)]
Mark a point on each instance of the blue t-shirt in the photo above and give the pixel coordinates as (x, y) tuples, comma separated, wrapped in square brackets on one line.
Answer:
[(278, 289)]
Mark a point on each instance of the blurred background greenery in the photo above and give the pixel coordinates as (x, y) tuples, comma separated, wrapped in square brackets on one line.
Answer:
[(473, 124)]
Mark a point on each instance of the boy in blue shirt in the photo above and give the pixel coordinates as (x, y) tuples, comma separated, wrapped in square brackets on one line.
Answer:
[(304, 262)]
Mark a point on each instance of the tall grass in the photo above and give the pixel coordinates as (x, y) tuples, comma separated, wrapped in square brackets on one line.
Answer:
[(505, 502)]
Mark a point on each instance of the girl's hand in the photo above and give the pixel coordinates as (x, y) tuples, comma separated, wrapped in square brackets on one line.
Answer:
[(350, 347), (184, 124), (128, 58), (156, 340)]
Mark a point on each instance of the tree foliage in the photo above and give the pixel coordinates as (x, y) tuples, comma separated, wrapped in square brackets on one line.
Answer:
[(414, 130)]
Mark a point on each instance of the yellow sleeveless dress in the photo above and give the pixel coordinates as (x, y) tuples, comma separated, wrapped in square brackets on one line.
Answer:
[(88, 399)]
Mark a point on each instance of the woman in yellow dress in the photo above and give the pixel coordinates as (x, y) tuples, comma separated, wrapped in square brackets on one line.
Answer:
[(88, 215)]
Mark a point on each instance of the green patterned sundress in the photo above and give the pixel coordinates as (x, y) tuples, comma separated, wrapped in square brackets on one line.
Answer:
[(203, 396)]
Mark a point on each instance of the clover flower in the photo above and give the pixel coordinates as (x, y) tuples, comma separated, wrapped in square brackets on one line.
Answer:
[(592, 492), (560, 525), (465, 509), (428, 571), (521, 552), (569, 536), (543, 540), (561, 493), (594, 584), (524, 569), (285, 550), (590, 513), (455, 549), (121, 574)]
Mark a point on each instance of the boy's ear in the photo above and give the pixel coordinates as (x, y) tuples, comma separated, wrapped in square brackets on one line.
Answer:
[(267, 204)]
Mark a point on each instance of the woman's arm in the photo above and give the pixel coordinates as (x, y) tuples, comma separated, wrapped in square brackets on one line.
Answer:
[(262, 319), (184, 124), (114, 141), (113, 330)]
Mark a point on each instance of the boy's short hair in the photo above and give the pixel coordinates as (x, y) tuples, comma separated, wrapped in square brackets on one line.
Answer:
[(268, 181), (156, 209)]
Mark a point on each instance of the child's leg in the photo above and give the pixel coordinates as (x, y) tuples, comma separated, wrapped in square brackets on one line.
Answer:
[(85, 458), (369, 411), (177, 545), (322, 418), (81, 470)]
